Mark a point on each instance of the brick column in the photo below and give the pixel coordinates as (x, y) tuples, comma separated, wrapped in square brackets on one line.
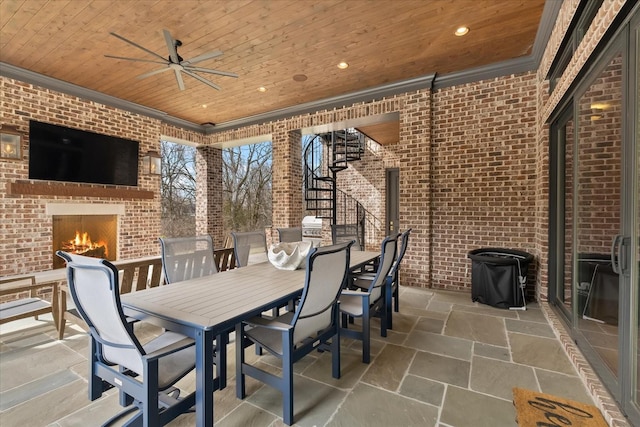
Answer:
[(209, 194), (415, 187), (287, 178)]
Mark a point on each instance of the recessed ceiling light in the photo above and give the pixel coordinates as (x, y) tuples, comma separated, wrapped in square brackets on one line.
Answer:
[(299, 77), (343, 65), (262, 89), (461, 31), (204, 105)]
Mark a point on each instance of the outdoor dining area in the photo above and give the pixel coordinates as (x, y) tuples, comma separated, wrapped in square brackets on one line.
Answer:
[(257, 335)]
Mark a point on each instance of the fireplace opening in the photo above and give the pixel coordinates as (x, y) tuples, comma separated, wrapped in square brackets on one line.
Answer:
[(89, 235)]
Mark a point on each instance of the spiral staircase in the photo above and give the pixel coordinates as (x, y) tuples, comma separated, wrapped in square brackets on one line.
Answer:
[(325, 155)]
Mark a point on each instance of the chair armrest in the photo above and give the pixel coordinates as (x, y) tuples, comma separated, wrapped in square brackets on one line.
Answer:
[(186, 342), (369, 275), (354, 293), (365, 276), (268, 324)]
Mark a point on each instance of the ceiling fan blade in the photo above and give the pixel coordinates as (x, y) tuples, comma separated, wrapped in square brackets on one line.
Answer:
[(135, 59), (203, 57), (171, 46), (179, 79), (210, 71), (153, 73), (138, 46), (203, 80)]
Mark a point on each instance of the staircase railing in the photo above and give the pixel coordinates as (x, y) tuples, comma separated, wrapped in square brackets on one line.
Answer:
[(324, 156)]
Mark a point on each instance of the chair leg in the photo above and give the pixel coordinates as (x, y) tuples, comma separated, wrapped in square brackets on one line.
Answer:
[(95, 382), (384, 321), (124, 398), (396, 303), (345, 323), (150, 413), (220, 357), (287, 379), (240, 388), (62, 308), (387, 320), (335, 355), (366, 337)]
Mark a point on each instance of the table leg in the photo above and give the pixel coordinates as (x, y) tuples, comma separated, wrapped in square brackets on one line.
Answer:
[(204, 379)]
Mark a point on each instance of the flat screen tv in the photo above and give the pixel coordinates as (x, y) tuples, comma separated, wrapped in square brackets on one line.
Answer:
[(58, 153)]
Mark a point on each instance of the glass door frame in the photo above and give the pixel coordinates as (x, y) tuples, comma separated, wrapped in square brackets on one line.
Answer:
[(557, 230), (630, 293)]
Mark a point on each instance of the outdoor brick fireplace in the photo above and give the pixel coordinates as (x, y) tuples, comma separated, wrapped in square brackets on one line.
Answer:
[(85, 229)]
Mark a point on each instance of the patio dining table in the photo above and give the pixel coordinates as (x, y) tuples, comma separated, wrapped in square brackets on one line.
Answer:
[(206, 308)]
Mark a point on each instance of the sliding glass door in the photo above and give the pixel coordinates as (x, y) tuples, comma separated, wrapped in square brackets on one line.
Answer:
[(598, 221), (595, 218)]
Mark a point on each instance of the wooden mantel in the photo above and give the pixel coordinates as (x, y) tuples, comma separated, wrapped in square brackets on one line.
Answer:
[(19, 188)]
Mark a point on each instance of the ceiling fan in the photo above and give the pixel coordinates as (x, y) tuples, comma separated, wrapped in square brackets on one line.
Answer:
[(175, 62)]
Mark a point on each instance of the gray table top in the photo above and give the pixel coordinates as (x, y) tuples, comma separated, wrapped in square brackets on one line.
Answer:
[(222, 299)]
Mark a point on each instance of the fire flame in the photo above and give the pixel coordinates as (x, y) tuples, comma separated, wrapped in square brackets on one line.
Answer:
[(82, 243)]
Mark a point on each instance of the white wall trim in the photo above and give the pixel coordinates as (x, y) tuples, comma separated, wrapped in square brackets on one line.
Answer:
[(84, 209)]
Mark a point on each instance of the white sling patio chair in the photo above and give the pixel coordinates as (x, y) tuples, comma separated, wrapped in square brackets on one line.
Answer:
[(373, 297), (346, 233), (393, 279), (185, 258), (292, 234), (250, 247), (291, 336), (145, 374)]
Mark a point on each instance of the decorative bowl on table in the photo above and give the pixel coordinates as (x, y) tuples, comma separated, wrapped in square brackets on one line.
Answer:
[(289, 255)]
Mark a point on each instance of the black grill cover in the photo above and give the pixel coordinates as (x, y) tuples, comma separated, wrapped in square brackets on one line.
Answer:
[(495, 276)]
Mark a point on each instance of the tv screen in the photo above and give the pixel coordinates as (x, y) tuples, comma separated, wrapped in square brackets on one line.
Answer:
[(58, 153)]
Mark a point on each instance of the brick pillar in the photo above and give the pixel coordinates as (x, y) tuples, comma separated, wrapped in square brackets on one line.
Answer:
[(209, 194), (415, 187), (287, 179)]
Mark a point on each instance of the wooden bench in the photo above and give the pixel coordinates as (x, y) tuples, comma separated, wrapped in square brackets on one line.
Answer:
[(32, 305), (225, 259)]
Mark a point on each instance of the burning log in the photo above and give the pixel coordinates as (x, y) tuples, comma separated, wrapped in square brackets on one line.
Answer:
[(82, 245)]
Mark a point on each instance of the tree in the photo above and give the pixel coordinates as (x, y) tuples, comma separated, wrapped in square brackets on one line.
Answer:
[(246, 183), (178, 189)]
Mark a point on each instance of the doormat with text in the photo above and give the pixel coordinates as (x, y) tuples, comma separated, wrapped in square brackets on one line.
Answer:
[(539, 409)]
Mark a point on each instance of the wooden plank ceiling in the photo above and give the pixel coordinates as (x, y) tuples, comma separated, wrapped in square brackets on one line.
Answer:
[(267, 43)]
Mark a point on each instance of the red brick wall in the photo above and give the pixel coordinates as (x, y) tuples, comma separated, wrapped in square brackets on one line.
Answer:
[(209, 194), (483, 173), (25, 228), (287, 204)]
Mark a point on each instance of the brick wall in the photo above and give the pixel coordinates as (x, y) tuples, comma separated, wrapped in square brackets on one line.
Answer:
[(25, 228), (287, 208), (209, 194), (483, 173)]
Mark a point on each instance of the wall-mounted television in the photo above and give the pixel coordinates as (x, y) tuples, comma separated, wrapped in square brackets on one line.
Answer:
[(58, 153)]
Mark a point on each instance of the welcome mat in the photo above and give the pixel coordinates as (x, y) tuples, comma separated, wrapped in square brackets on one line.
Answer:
[(535, 409)]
